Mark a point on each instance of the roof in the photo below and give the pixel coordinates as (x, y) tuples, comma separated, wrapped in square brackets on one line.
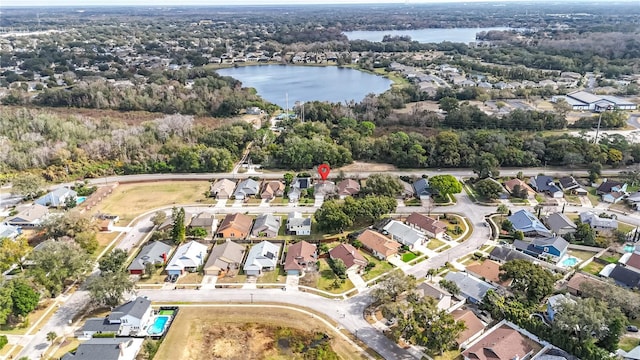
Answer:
[(300, 252), (54, 197), (432, 290), (301, 183), (9, 231), (608, 185), (204, 220), (323, 188), (635, 197), (272, 187), (634, 261), (135, 308), (29, 214), (557, 242), (502, 343), (526, 222), (616, 100), (100, 325), (578, 279), (633, 354), (150, 253), (505, 254), (595, 221), (348, 187), (426, 223), (404, 233), (626, 277), (223, 185), (544, 183), (488, 269), (190, 254), (557, 300), (104, 349), (224, 254), (295, 219), (472, 323), (237, 221), (381, 244), (247, 187), (421, 187), (510, 184), (559, 221), (470, 286), (267, 222), (584, 96), (261, 255), (348, 254)]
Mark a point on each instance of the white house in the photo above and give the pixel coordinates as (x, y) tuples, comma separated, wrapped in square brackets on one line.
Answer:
[(298, 225), (187, 258), (57, 197), (131, 316), (261, 257), (404, 234)]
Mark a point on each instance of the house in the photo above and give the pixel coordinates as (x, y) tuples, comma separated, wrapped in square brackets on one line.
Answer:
[(155, 252), (298, 225), (224, 258), (516, 186), (379, 245), (471, 288), (407, 190), (29, 216), (443, 298), (301, 256), (187, 258), (631, 261), (574, 284), (353, 260), (131, 316), (555, 302), (625, 277), (474, 327), (489, 271), (613, 197), (611, 191), (634, 354), (502, 342), (559, 223), (9, 231), (324, 189), (262, 257), (597, 223), (222, 189), (246, 188), (266, 225), (205, 221), (430, 226), (97, 326), (503, 254), (526, 222), (404, 234), (545, 184), (57, 197), (422, 189), (569, 184), (106, 349), (634, 200), (272, 189), (552, 248), (297, 185), (235, 226), (348, 187)]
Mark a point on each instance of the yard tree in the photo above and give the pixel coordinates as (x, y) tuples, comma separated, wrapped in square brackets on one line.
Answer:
[(383, 185), (149, 269), (488, 189), (450, 286), (585, 234), (506, 225), (338, 266), (394, 285), (595, 171), (57, 262), (486, 165), (69, 224), (24, 297), (52, 336), (6, 302), (158, 218), (109, 289), (503, 209), (27, 185), (615, 296), (178, 232), (88, 240), (588, 318), (530, 282), (113, 262), (562, 107), (331, 217), (288, 178), (448, 104), (445, 184), (13, 252), (198, 232)]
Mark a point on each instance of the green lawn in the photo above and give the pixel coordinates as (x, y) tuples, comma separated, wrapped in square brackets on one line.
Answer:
[(625, 228), (328, 278), (408, 256), (628, 343), (591, 194), (413, 202), (382, 266), (434, 244), (611, 257), (593, 268), (444, 248), (582, 255), (271, 277)]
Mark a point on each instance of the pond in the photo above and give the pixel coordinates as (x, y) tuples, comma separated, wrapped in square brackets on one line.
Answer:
[(276, 83), (460, 35)]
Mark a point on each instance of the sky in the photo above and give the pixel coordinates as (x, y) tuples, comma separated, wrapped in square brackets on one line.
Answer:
[(80, 3)]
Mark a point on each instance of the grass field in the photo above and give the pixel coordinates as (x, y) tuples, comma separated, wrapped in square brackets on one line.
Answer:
[(628, 343), (434, 244), (582, 255), (593, 268), (406, 257), (131, 200), (196, 333), (328, 277), (382, 266)]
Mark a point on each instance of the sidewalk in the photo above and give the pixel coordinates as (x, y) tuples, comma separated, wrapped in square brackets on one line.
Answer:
[(357, 281), (396, 261)]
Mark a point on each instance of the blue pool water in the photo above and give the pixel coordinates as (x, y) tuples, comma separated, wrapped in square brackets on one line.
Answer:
[(629, 248), (570, 261), (158, 325), (80, 199)]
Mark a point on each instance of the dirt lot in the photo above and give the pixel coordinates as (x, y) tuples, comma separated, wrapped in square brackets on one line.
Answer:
[(244, 333), (363, 166)]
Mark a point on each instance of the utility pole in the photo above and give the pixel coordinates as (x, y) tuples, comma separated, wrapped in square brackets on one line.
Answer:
[(595, 141)]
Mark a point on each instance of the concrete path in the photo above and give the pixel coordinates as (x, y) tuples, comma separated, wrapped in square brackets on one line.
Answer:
[(209, 281), (396, 261), (357, 281), (292, 282)]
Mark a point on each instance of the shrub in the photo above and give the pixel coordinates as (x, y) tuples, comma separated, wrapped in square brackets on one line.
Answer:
[(3, 341)]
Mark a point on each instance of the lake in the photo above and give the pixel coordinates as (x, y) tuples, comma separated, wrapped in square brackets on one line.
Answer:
[(461, 35), (308, 83)]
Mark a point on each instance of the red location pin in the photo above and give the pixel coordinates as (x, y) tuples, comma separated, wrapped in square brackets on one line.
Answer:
[(323, 171)]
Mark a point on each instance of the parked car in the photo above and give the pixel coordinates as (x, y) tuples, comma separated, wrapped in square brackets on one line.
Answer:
[(174, 278), (632, 328)]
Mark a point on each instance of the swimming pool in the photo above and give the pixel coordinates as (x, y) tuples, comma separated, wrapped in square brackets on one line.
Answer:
[(629, 248), (158, 325), (80, 199), (570, 261)]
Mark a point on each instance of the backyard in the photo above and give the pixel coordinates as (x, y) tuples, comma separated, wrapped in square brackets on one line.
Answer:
[(247, 333)]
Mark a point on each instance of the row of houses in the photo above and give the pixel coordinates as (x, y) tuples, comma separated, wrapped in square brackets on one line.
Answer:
[(610, 191)]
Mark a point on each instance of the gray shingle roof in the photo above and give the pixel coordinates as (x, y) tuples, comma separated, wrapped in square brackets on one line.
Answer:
[(527, 223), (152, 252), (469, 285), (100, 325), (98, 348), (135, 308), (558, 221)]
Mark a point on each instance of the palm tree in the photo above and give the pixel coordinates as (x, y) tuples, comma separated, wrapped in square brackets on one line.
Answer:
[(52, 336)]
